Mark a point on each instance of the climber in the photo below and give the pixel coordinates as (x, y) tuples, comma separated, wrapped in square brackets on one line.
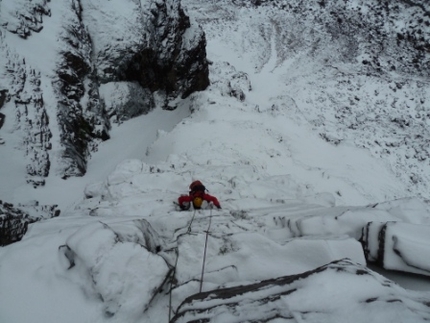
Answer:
[(197, 196)]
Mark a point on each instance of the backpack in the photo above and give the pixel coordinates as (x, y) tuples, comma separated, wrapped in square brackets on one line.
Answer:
[(197, 192), (197, 186)]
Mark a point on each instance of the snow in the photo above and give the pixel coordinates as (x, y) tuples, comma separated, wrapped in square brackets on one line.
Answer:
[(112, 22), (404, 239), (291, 201)]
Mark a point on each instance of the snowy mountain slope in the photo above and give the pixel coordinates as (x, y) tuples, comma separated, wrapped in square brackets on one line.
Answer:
[(293, 200), (322, 72), (89, 262)]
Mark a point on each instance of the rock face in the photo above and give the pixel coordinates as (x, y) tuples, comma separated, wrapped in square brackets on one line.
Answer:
[(31, 120), (147, 45), (80, 112), (169, 53), (14, 221), (359, 295)]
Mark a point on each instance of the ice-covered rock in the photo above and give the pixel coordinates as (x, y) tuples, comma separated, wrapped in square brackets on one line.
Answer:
[(398, 246), (348, 221)]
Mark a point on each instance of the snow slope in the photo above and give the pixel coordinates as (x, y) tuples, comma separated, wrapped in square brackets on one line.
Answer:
[(291, 200)]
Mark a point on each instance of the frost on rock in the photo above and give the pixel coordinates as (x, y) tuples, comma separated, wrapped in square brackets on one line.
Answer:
[(23, 17), (120, 261), (359, 295), (34, 120)]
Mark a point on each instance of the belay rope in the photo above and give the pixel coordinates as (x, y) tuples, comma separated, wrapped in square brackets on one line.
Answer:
[(176, 264), (177, 258), (172, 279), (191, 222), (204, 253)]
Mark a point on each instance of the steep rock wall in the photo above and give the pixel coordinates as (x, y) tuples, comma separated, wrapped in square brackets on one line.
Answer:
[(146, 46)]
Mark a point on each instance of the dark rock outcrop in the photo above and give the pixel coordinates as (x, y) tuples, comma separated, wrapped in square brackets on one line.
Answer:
[(14, 221), (2, 117), (83, 124), (309, 297), (3, 96), (169, 54)]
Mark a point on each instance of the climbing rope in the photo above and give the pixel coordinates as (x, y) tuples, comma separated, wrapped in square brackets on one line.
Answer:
[(191, 222), (204, 253), (173, 273), (172, 281)]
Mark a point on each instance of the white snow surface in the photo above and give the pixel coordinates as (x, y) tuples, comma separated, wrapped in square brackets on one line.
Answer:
[(290, 201)]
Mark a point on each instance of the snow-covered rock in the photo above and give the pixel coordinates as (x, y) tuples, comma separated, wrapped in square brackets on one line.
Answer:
[(359, 295), (125, 100), (120, 264), (398, 246)]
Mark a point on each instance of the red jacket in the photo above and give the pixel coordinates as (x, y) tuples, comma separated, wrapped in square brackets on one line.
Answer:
[(185, 201)]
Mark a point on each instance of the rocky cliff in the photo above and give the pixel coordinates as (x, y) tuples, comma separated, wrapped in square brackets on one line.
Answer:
[(150, 46), (71, 68)]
